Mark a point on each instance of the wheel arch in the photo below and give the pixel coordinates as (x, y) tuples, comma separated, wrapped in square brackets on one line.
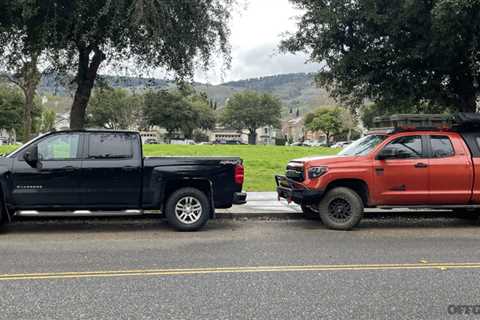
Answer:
[(205, 185), (357, 185)]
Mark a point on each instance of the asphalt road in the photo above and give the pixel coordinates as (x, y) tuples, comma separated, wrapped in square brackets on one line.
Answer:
[(391, 267)]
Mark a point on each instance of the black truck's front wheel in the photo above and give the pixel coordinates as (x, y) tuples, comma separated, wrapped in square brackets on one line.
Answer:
[(187, 209)]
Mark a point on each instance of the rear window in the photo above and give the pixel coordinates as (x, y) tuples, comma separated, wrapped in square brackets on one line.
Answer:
[(442, 147), (110, 146)]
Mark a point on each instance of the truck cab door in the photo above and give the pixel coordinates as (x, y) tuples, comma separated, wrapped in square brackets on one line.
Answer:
[(112, 171), (401, 171), (54, 180), (451, 174)]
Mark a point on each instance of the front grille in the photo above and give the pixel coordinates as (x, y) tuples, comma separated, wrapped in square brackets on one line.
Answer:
[(295, 171)]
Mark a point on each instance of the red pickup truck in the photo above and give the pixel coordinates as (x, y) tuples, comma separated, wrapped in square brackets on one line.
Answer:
[(401, 167)]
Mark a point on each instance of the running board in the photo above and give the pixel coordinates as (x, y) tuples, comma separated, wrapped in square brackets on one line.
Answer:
[(444, 207), (77, 213)]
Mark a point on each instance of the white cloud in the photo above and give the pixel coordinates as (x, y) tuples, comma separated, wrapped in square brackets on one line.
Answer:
[(256, 34)]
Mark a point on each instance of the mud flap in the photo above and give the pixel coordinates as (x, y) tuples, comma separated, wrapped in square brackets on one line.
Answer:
[(212, 202), (5, 216)]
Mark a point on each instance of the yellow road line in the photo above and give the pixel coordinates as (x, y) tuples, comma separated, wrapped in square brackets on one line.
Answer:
[(253, 269)]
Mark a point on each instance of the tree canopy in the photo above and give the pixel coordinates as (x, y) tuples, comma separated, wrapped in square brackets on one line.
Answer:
[(251, 110), (82, 35), (12, 104), (178, 111), (23, 41), (114, 109), (422, 52)]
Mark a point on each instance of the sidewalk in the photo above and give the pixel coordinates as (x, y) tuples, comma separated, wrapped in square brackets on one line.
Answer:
[(266, 205), (262, 204)]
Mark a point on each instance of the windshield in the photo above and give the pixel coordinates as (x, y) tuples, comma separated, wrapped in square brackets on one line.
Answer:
[(362, 146), (26, 145)]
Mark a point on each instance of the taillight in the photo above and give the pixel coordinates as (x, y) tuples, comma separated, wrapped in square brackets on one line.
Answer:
[(239, 174)]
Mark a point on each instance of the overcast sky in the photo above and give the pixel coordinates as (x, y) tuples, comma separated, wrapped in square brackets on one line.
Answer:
[(257, 28)]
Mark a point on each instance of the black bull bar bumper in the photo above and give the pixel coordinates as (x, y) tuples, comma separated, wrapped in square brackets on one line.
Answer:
[(295, 191)]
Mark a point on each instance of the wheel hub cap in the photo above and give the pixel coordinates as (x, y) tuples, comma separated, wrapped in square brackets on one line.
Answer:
[(339, 210), (188, 210)]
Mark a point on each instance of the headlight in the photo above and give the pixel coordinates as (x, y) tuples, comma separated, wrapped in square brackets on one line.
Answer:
[(315, 172)]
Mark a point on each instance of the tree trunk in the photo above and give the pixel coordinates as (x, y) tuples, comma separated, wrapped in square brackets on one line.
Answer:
[(252, 136), (327, 137), (86, 75), (27, 113), (31, 79)]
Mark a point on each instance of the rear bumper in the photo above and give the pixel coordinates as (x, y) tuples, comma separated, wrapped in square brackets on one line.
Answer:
[(239, 198), (294, 191)]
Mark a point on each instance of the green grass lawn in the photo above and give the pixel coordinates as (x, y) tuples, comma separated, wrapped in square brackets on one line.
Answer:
[(261, 162)]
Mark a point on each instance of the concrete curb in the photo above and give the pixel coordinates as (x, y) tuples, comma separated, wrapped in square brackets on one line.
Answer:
[(259, 215), (370, 214)]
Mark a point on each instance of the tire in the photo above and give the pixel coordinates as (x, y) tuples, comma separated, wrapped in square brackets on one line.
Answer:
[(341, 209), (310, 212), (189, 218)]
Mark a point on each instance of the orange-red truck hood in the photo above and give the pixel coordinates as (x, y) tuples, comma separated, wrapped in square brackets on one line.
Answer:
[(325, 160)]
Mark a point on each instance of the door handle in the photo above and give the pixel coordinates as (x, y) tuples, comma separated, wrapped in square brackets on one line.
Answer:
[(421, 165), (69, 168), (129, 168)]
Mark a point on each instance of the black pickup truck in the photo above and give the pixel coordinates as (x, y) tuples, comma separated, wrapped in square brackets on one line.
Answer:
[(99, 172)]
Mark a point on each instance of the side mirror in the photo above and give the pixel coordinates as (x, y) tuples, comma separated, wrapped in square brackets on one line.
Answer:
[(31, 156), (387, 153)]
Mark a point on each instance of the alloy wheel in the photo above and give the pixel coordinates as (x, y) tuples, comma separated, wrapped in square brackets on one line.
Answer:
[(188, 210)]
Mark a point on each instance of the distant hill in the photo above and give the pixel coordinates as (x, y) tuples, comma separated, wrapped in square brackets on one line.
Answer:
[(296, 90)]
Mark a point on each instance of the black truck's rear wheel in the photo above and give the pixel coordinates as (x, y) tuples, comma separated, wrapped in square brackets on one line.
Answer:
[(187, 209), (341, 209)]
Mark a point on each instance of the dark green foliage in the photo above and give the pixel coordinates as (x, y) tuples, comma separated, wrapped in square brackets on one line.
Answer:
[(171, 34), (11, 108), (199, 136), (176, 111), (12, 102), (114, 109), (280, 141), (405, 52)]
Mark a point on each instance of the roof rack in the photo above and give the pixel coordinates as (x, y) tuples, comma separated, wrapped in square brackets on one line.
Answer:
[(427, 122), (414, 121), (466, 121)]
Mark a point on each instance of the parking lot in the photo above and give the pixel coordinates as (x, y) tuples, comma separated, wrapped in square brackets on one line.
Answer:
[(266, 265)]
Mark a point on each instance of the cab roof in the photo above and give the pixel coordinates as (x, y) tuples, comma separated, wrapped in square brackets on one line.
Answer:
[(95, 130)]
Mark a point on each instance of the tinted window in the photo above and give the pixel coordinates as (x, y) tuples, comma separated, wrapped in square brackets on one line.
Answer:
[(406, 147), (59, 147), (441, 147), (110, 146)]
